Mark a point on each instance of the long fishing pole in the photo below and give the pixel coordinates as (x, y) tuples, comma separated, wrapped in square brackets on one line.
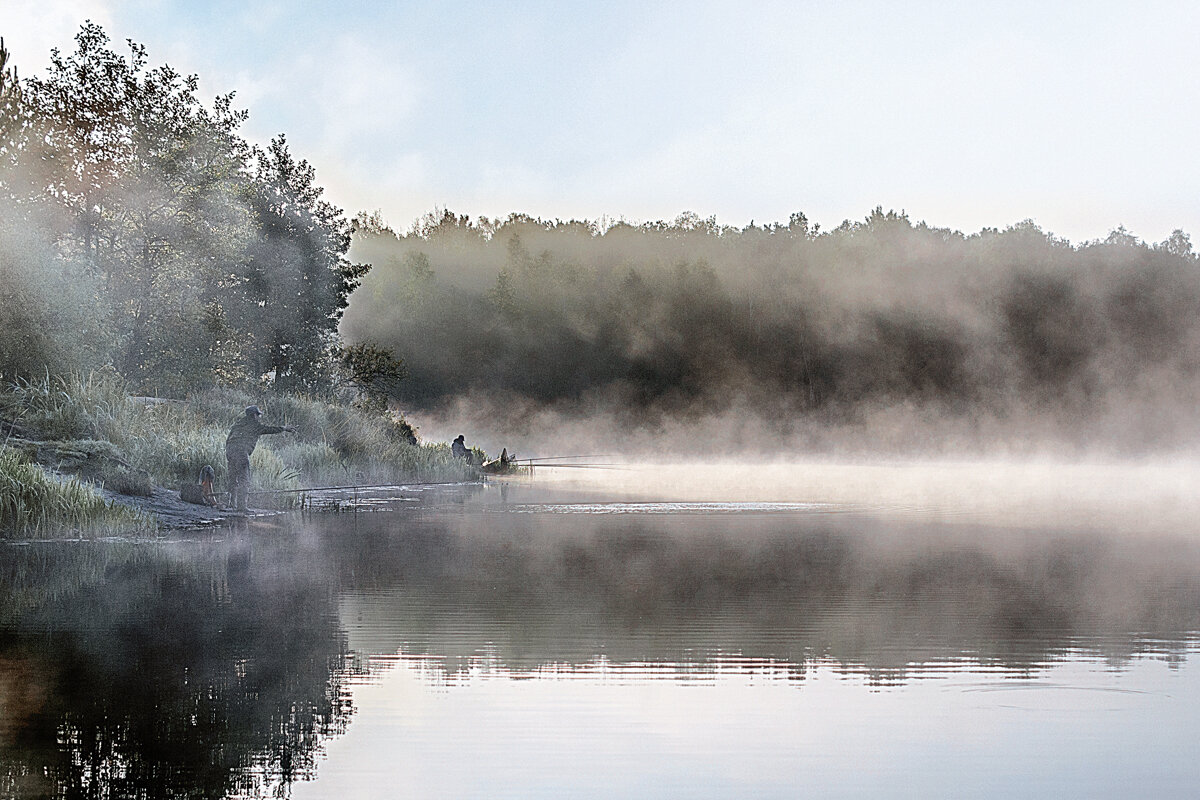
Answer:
[(564, 458), (572, 466), (404, 484), (523, 464)]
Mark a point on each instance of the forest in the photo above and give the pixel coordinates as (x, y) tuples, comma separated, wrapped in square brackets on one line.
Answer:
[(140, 231), (882, 334)]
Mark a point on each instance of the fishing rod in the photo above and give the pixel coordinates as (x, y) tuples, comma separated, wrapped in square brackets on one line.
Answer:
[(564, 458), (574, 466)]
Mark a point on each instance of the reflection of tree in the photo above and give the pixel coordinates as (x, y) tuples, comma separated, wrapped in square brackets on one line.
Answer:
[(870, 597), (219, 670), (175, 677)]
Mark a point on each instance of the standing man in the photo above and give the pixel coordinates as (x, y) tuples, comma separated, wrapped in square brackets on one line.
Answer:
[(243, 436)]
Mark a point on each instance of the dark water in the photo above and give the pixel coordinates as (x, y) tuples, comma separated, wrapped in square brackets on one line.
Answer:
[(519, 642)]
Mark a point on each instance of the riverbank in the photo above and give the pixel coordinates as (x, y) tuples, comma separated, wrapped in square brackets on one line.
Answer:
[(109, 459), (169, 512)]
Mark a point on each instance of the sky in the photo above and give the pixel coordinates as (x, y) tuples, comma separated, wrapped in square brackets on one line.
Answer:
[(1078, 115)]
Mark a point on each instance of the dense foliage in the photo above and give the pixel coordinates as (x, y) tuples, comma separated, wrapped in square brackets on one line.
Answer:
[(897, 329), (138, 229)]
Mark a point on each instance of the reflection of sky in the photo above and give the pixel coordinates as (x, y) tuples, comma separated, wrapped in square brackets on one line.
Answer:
[(1078, 730), (871, 693)]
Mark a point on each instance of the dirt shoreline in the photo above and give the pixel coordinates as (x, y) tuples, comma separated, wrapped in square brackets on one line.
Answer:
[(172, 513)]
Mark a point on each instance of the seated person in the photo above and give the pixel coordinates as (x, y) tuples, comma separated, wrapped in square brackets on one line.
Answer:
[(201, 493), (459, 448)]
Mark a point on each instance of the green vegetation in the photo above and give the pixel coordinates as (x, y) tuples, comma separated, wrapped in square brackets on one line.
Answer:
[(90, 426), (884, 329), (138, 229), (33, 502), (158, 273)]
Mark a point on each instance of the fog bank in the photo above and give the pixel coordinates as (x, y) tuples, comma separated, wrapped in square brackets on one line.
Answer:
[(880, 335)]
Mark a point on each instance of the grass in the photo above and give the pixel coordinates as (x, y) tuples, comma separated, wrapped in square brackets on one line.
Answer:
[(34, 502), (103, 435), (333, 444)]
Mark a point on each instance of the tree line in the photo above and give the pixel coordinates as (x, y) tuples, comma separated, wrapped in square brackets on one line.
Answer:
[(139, 229), (881, 322)]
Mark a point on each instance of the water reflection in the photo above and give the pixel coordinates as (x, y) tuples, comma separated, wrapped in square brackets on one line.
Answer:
[(227, 666), (882, 598), (210, 670)]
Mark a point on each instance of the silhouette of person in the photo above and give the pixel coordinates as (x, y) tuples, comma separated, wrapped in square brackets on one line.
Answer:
[(240, 443)]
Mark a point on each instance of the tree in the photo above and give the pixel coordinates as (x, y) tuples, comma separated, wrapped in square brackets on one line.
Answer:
[(374, 371), (372, 224), (151, 182), (207, 259), (1178, 244), (14, 119), (47, 318), (297, 281)]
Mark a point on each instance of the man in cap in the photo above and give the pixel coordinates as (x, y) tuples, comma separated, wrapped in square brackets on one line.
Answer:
[(458, 448), (243, 436)]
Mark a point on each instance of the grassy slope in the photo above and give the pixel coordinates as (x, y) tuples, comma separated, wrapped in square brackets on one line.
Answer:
[(89, 425)]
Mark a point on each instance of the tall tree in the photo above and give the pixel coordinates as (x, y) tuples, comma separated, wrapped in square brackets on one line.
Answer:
[(208, 258), (153, 183), (47, 318), (297, 279)]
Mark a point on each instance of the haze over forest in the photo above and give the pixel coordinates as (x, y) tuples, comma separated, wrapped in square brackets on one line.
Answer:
[(142, 233), (883, 334)]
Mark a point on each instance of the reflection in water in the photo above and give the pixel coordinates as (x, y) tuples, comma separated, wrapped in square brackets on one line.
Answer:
[(880, 597), (1072, 732), (673, 640), (164, 671)]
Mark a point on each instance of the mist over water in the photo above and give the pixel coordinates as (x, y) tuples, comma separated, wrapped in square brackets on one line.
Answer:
[(712, 636), (1119, 496), (883, 336), (689, 621)]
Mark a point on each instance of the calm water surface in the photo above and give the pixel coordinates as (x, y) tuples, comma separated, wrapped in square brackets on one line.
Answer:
[(957, 631)]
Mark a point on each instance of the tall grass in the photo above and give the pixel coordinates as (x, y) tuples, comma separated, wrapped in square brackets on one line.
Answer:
[(335, 444), (171, 441), (35, 502), (74, 406)]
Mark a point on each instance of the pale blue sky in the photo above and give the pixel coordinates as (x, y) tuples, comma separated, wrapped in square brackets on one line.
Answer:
[(1080, 115)]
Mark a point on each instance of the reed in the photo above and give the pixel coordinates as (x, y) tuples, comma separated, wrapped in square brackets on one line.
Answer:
[(33, 502), (75, 405)]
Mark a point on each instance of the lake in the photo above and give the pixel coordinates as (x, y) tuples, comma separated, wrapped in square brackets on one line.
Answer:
[(846, 630)]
